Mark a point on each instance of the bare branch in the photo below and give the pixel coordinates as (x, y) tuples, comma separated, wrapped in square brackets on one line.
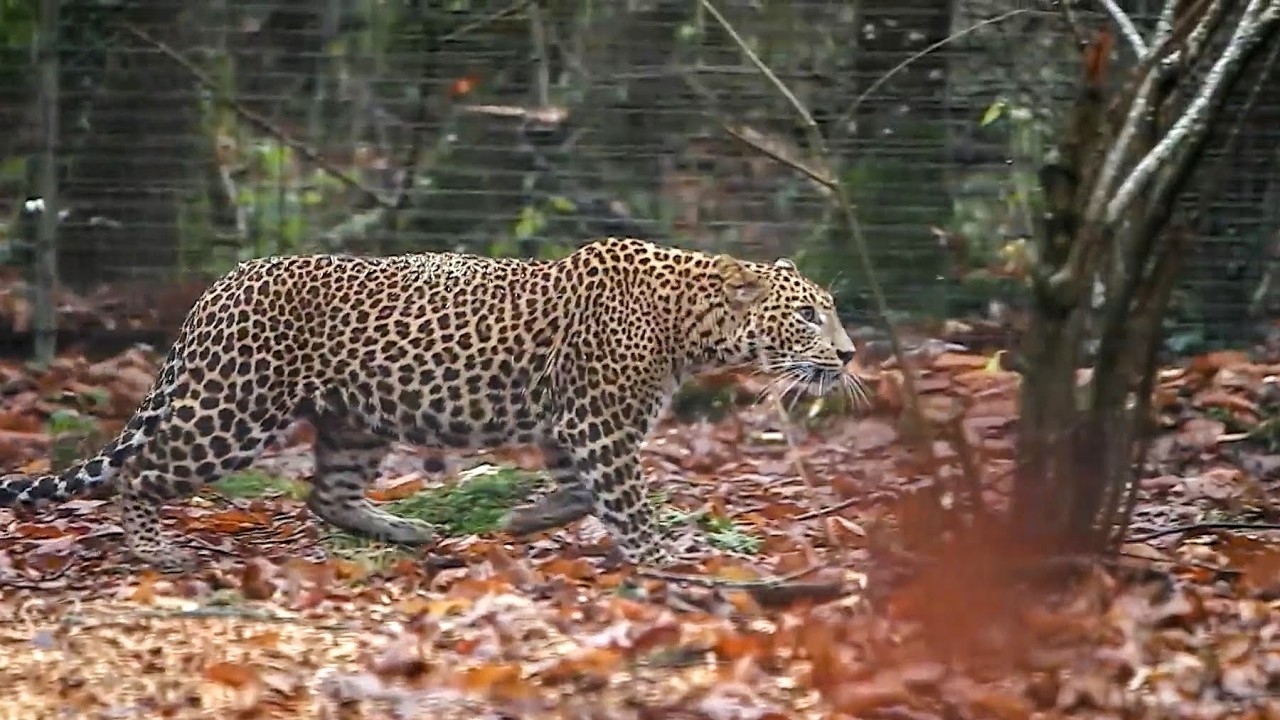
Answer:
[(764, 69), (844, 118), (1154, 67), (1200, 528), (752, 138), (1103, 186), (1258, 18), (409, 168), (259, 121), (1164, 26), (843, 202), (1200, 35), (755, 140), (1069, 17), (1127, 28), (485, 21), (45, 285), (1217, 176)]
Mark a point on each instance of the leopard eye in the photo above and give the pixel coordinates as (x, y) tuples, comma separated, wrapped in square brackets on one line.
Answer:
[(808, 313)]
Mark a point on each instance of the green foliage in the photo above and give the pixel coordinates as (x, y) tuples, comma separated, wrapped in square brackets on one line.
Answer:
[(536, 227), (721, 532), (255, 484), (473, 505), (73, 435), (281, 206), (18, 28), (990, 208), (66, 421)]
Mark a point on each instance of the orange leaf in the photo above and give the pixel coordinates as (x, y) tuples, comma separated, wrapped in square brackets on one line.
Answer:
[(485, 678), (954, 361), (232, 521), (743, 602), (145, 591), (1096, 57), (463, 86), (398, 489), (594, 662), (732, 645), (38, 532), (861, 698), (232, 675), (572, 568), (662, 635), (1227, 401), (1210, 363)]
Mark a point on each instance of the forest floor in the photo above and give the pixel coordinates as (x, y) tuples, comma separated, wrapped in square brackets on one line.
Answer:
[(289, 619)]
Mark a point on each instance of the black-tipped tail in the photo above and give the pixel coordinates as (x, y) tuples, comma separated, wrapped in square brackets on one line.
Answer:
[(81, 479)]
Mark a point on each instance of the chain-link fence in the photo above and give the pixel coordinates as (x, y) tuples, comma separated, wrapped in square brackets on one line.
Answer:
[(193, 134)]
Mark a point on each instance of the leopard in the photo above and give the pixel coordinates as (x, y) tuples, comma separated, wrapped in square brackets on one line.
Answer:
[(577, 355)]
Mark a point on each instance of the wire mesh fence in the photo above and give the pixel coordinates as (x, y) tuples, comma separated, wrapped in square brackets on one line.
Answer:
[(192, 135)]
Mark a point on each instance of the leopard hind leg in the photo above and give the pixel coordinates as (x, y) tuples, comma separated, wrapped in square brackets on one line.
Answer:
[(185, 453), (568, 500), (348, 457)]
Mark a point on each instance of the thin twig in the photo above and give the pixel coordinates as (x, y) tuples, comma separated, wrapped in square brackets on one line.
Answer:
[(970, 470), (1068, 15), (764, 69), (844, 202), (212, 612), (44, 288), (793, 450), (829, 510), (848, 114), (793, 442), (743, 135), (1196, 528), (1174, 561), (487, 20), (1127, 28), (823, 181), (257, 120), (41, 583)]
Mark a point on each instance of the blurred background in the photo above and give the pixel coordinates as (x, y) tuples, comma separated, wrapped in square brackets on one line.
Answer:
[(193, 134)]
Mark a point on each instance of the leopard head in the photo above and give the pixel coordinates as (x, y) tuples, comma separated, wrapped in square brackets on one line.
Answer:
[(789, 327)]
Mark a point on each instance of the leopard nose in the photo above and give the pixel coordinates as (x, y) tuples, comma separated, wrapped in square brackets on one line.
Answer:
[(845, 355)]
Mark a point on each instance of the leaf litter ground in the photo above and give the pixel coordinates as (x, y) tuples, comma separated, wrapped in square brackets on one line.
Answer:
[(289, 620)]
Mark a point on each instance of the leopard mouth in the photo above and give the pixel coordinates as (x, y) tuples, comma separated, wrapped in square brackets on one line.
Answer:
[(818, 381), (811, 378)]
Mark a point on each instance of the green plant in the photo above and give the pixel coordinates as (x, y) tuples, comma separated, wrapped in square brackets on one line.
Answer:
[(254, 483)]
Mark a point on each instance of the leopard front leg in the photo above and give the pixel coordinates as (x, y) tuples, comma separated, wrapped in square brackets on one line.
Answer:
[(610, 469)]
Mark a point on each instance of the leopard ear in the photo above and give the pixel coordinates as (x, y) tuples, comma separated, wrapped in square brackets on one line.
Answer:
[(743, 287), (784, 263)]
